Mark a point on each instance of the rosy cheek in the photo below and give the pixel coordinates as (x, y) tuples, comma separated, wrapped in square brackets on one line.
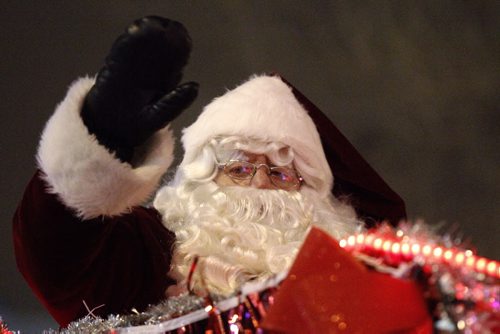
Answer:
[(223, 180)]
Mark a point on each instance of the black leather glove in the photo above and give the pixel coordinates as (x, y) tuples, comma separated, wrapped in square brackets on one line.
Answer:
[(136, 91)]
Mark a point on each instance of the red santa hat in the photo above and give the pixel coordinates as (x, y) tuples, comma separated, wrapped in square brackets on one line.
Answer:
[(263, 108), (268, 108)]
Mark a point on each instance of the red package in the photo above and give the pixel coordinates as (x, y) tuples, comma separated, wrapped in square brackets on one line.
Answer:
[(328, 291)]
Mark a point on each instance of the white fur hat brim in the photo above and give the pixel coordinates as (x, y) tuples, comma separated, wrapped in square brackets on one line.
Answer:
[(263, 108)]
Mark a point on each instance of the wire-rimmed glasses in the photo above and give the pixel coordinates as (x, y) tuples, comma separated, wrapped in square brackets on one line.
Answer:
[(282, 177)]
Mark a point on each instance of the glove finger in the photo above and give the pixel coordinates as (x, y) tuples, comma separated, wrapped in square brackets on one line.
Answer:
[(166, 109), (150, 53)]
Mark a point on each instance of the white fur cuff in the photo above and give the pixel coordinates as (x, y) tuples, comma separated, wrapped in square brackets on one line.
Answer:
[(85, 175)]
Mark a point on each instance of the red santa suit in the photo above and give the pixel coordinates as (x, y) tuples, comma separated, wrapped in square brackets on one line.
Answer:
[(82, 238)]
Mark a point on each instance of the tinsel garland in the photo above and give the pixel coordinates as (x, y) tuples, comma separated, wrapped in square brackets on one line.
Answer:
[(166, 310), (177, 313), (464, 295), (3, 328)]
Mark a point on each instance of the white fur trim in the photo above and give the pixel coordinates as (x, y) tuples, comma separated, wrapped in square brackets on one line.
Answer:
[(84, 174), (263, 108)]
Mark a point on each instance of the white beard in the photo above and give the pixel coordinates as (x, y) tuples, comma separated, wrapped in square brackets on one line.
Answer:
[(244, 233)]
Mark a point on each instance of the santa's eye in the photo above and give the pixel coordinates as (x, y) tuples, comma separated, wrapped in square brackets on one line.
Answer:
[(284, 177), (239, 169)]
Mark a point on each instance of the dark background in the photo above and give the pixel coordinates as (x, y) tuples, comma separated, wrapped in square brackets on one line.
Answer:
[(413, 84)]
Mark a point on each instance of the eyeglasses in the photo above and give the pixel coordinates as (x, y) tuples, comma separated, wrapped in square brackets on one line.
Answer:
[(282, 177)]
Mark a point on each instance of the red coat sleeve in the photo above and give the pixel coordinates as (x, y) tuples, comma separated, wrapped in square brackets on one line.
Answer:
[(119, 262)]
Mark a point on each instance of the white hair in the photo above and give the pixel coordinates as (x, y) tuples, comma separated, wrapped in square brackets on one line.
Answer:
[(241, 233)]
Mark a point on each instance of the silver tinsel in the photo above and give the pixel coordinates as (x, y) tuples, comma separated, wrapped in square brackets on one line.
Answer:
[(166, 310), (170, 314)]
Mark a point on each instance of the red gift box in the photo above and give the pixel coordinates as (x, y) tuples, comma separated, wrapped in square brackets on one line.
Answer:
[(329, 291)]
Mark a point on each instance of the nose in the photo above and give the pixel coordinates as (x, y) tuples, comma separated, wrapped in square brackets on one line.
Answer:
[(261, 179)]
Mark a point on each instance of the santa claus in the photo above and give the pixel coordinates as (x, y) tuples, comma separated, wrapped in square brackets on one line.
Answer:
[(253, 180)]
